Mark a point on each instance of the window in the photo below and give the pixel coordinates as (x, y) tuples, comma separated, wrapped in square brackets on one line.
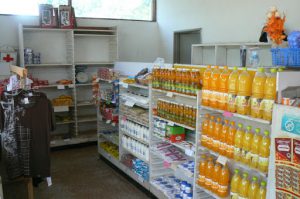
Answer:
[(109, 9)]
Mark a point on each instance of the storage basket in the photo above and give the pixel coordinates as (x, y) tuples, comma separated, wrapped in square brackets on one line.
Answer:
[(286, 56)]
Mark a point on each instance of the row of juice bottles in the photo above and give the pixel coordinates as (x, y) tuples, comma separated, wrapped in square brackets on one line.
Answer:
[(213, 176), (180, 113), (242, 187), (243, 145), (185, 81), (239, 92)]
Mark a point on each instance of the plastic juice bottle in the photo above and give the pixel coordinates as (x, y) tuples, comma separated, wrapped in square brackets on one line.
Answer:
[(247, 141), (206, 86), (235, 184), (244, 93), (194, 112), (202, 170), (256, 141), (184, 81), (258, 93), (223, 182), (193, 85), (270, 95), (209, 171), (191, 120), (233, 82), (230, 140), (173, 79), (181, 113), (238, 143), (223, 136), (162, 80), (198, 80), (264, 152), (216, 135), (223, 88), (210, 132), (215, 83), (261, 194), (244, 187), (253, 188), (215, 177), (154, 77), (204, 130)]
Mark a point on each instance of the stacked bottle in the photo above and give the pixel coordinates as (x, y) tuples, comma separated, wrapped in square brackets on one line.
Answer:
[(213, 176), (177, 80), (175, 112)]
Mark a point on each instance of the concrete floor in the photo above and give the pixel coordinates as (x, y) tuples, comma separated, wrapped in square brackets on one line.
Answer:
[(79, 174)]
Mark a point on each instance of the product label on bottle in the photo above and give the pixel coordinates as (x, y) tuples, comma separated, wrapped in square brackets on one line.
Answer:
[(223, 189), (256, 107), (234, 195), (208, 182), (254, 159), (201, 178), (204, 139), (215, 185), (263, 161), (223, 98), (283, 149), (243, 104)]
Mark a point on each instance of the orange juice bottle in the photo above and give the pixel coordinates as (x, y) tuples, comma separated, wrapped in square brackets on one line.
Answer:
[(261, 194), (197, 80), (193, 85), (173, 80), (154, 77), (223, 190), (215, 177), (244, 186), (202, 170), (244, 92), (204, 130), (216, 135), (233, 82), (194, 115), (230, 140), (215, 83), (238, 143), (253, 188), (186, 82), (181, 113), (270, 95), (247, 141), (223, 136), (210, 132), (209, 171), (235, 184), (223, 88), (177, 80), (264, 152), (256, 141), (206, 86), (257, 93)]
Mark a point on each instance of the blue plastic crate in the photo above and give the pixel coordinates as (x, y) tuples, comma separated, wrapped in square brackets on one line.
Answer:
[(286, 56)]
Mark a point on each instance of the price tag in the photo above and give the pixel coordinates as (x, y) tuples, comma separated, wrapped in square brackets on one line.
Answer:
[(125, 85), (129, 103), (60, 87), (189, 152), (71, 85), (227, 114), (67, 140), (98, 79), (169, 94), (26, 101), (113, 124), (49, 181), (171, 123), (108, 121), (141, 179), (222, 160)]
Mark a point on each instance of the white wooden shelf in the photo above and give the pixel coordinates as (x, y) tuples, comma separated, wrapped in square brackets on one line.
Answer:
[(94, 63), (210, 193), (110, 137), (145, 142), (171, 94), (83, 84), (48, 65), (93, 35), (135, 154), (56, 86), (36, 29), (72, 141), (67, 122), (176, 123)]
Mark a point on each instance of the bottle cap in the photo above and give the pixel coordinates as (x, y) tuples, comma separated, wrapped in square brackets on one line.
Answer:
[(240, 125), (219, 119), (257, 130), (225, 67), (263, 183), (245, 175), (244, 68), (267, 133), (273, 70), (249, 128), (254, 178), (232, 123), (261, 70), (206, 115), (236, 171), (281, 69), (212, 117), (209, 66), (235, 68), (216, 67)]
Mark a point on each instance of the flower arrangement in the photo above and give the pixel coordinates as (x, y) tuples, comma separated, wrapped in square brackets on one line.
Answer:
[(275, 26)]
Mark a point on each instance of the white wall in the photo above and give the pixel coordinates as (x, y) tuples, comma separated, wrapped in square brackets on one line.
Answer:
[(220, 20), (138, 41)]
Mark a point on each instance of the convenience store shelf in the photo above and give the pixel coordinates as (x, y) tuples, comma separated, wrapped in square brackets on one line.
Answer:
[(209, 193), (56, 86), (171, 94), (84, 84), (135, 138), (113, 137), (126, 85), (157, 192), (135, 154), (72, 141), (229, 114), (85, 104), (48, 65), (94, 63), (66, 122), (176, 123), (134, 121), (82, 119)]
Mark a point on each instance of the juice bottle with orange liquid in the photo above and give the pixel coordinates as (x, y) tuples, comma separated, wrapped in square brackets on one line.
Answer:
[(264, 152), (209, 171), (210, 132), (269, 95), (154, 77), (204, 130), (185, 81), (223, 136), (194, 114), (230, 140), (223, 88), (193, 85), (234, 185), (181, 113), (173, 80), (233, 82), (215, 83), (178, 80), (238, 143), (244, 93), (244, 187), (202, 170), (261, 194), (216, 135), (256, 141), (253, 188), (206, 86), (247, 141), (215, 177), (223, 182), (258, 93)]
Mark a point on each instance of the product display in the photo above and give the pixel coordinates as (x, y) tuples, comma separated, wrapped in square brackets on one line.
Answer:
[(168, 152), (135, 113), (136, 130), (109, 74), (63, 100), (110, 149), (135, 147)]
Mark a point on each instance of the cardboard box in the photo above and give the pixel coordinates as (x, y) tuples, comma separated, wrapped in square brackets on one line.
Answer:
[(177, 137), (174, 130)]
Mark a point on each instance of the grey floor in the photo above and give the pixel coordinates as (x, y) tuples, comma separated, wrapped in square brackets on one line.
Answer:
[(79, 174)]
